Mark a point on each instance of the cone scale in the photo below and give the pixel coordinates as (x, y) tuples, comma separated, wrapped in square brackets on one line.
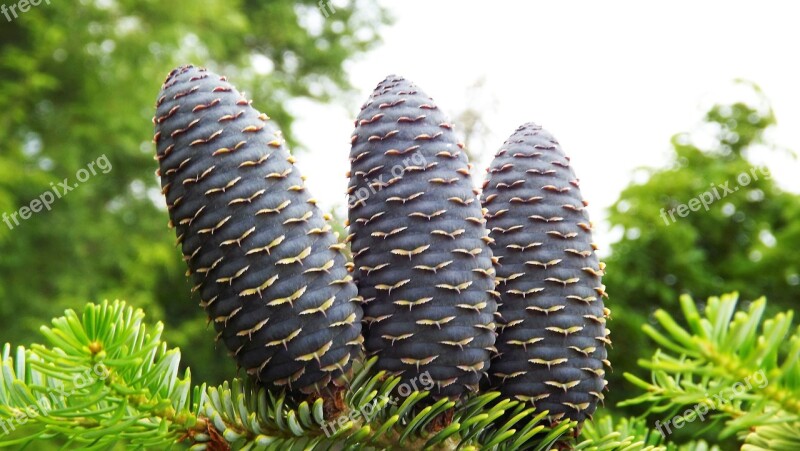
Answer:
[(268, 270), (552, 331), (421, 258)]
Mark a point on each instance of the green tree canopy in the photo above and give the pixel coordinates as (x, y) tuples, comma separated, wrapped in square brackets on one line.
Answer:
[(77, 83), (745, 241)]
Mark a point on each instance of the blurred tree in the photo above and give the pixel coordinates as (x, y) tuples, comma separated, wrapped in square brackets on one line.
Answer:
[(471, 119), (78, 81), (745, 241)]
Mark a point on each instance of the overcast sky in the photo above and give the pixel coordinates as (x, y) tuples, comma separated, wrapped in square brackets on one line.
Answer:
[(613, 81)]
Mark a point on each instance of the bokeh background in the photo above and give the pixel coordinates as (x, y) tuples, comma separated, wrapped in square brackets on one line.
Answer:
[(654, 103)]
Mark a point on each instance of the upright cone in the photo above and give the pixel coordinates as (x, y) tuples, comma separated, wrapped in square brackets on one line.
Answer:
[(553, 332), (270, 274), (422, 263)]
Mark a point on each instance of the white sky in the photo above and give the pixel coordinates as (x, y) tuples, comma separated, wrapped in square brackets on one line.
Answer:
[(613, 81)]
